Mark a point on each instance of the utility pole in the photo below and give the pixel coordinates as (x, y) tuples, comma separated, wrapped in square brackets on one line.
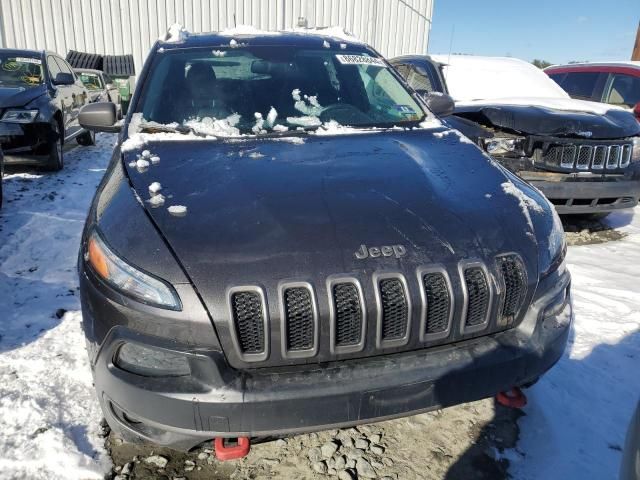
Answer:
[(636, 49)]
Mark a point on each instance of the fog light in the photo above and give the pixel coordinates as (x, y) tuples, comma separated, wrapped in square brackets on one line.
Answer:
[(559, 312), (151, 362)]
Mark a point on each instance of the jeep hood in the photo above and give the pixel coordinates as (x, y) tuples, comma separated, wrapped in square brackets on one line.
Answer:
[(19, 97), (259, 210), (552, 117)]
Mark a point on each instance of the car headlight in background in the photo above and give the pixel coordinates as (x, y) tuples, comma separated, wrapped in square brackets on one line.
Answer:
[(504, 146), (127, 279), (19, 116), (151, 362)]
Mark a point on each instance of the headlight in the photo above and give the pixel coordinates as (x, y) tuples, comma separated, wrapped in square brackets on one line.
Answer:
[(504, 146), (635, 153), (20, 116), (125, 278), (151, 362)]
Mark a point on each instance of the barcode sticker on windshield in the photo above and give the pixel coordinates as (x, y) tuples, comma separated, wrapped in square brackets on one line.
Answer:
[(360, 60), (29, 60)]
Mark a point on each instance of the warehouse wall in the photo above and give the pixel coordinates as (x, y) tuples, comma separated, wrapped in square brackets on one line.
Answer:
[(131, 26)]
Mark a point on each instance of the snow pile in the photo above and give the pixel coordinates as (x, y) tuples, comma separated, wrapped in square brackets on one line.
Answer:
[(49, 414), (579, 412), (176, 33), (177, 210)]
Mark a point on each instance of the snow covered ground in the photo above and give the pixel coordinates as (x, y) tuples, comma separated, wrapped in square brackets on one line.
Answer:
[(49, 417), (49, 420), (579, 412)]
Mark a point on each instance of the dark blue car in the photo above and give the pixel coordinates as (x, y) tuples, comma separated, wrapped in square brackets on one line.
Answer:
[(287, 239)]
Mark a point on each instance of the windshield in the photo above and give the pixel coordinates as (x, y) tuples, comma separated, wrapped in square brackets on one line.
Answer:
[(262, 89), (470, 78), (91, 80), (20, 71)]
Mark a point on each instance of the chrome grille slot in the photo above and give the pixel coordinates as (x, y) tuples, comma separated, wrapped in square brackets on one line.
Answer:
[(514, 281), (478, 297), (299, 317), (348, 314), (599, 157), (249, 320), (568, 156), (625, 158), (438, 300), (395, 309), (584, 157), (613, 160)]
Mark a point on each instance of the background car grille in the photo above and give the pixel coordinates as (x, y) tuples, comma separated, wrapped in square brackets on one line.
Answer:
[(438, 303), (248, 319), (513, 275), (585, 157), (348, 314), (477, 296), (299, 318), (395, 310)]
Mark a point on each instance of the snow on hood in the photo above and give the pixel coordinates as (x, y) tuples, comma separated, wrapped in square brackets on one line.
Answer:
[(565, 104)]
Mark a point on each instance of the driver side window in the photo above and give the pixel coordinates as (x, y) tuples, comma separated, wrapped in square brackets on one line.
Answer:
[(54, 69)]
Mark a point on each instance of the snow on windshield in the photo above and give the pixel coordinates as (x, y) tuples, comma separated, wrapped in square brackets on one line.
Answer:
[(476, 78)]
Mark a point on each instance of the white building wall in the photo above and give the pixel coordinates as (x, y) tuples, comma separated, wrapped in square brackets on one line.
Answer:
[(393, 27)]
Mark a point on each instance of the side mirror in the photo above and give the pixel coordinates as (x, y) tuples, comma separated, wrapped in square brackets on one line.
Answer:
[(63, 78), (99, 117), (440, 104)]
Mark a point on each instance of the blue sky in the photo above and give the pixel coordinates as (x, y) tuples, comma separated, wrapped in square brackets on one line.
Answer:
[(557, 31)]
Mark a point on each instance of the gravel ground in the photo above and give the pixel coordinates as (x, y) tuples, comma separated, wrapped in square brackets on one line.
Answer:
[(460, 442)]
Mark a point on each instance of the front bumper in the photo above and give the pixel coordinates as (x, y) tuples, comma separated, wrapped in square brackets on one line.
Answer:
[(26, 143), (218, 401), (581, 194)]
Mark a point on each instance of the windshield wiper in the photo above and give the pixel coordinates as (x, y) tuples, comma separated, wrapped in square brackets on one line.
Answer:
[(153, 127)]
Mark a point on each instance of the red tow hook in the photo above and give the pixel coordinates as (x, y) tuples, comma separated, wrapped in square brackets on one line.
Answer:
[(514, 398), (231, 448)]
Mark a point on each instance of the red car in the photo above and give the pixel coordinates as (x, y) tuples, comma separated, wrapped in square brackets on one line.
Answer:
[(617, 83)]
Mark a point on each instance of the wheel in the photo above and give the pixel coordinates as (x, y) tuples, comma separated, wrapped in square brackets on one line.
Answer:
[(87, 139), (55, 161)]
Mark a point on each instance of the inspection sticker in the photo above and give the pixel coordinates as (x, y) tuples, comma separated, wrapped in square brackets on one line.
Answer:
[(37, 61), (360, 60)]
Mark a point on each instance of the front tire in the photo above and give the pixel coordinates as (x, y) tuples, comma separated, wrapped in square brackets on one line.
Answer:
[(87, 139), (55, 161)]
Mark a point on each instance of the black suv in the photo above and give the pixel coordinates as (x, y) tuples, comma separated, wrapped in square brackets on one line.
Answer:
[(40, 98), (584, 156), (287, 239)]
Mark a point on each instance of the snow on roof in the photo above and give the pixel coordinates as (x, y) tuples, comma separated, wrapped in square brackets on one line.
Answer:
[(246, 30), (474, 78), (175, 33), (333, 32)]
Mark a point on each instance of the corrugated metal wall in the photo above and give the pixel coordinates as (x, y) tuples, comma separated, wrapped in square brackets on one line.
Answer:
[(131, 26)]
